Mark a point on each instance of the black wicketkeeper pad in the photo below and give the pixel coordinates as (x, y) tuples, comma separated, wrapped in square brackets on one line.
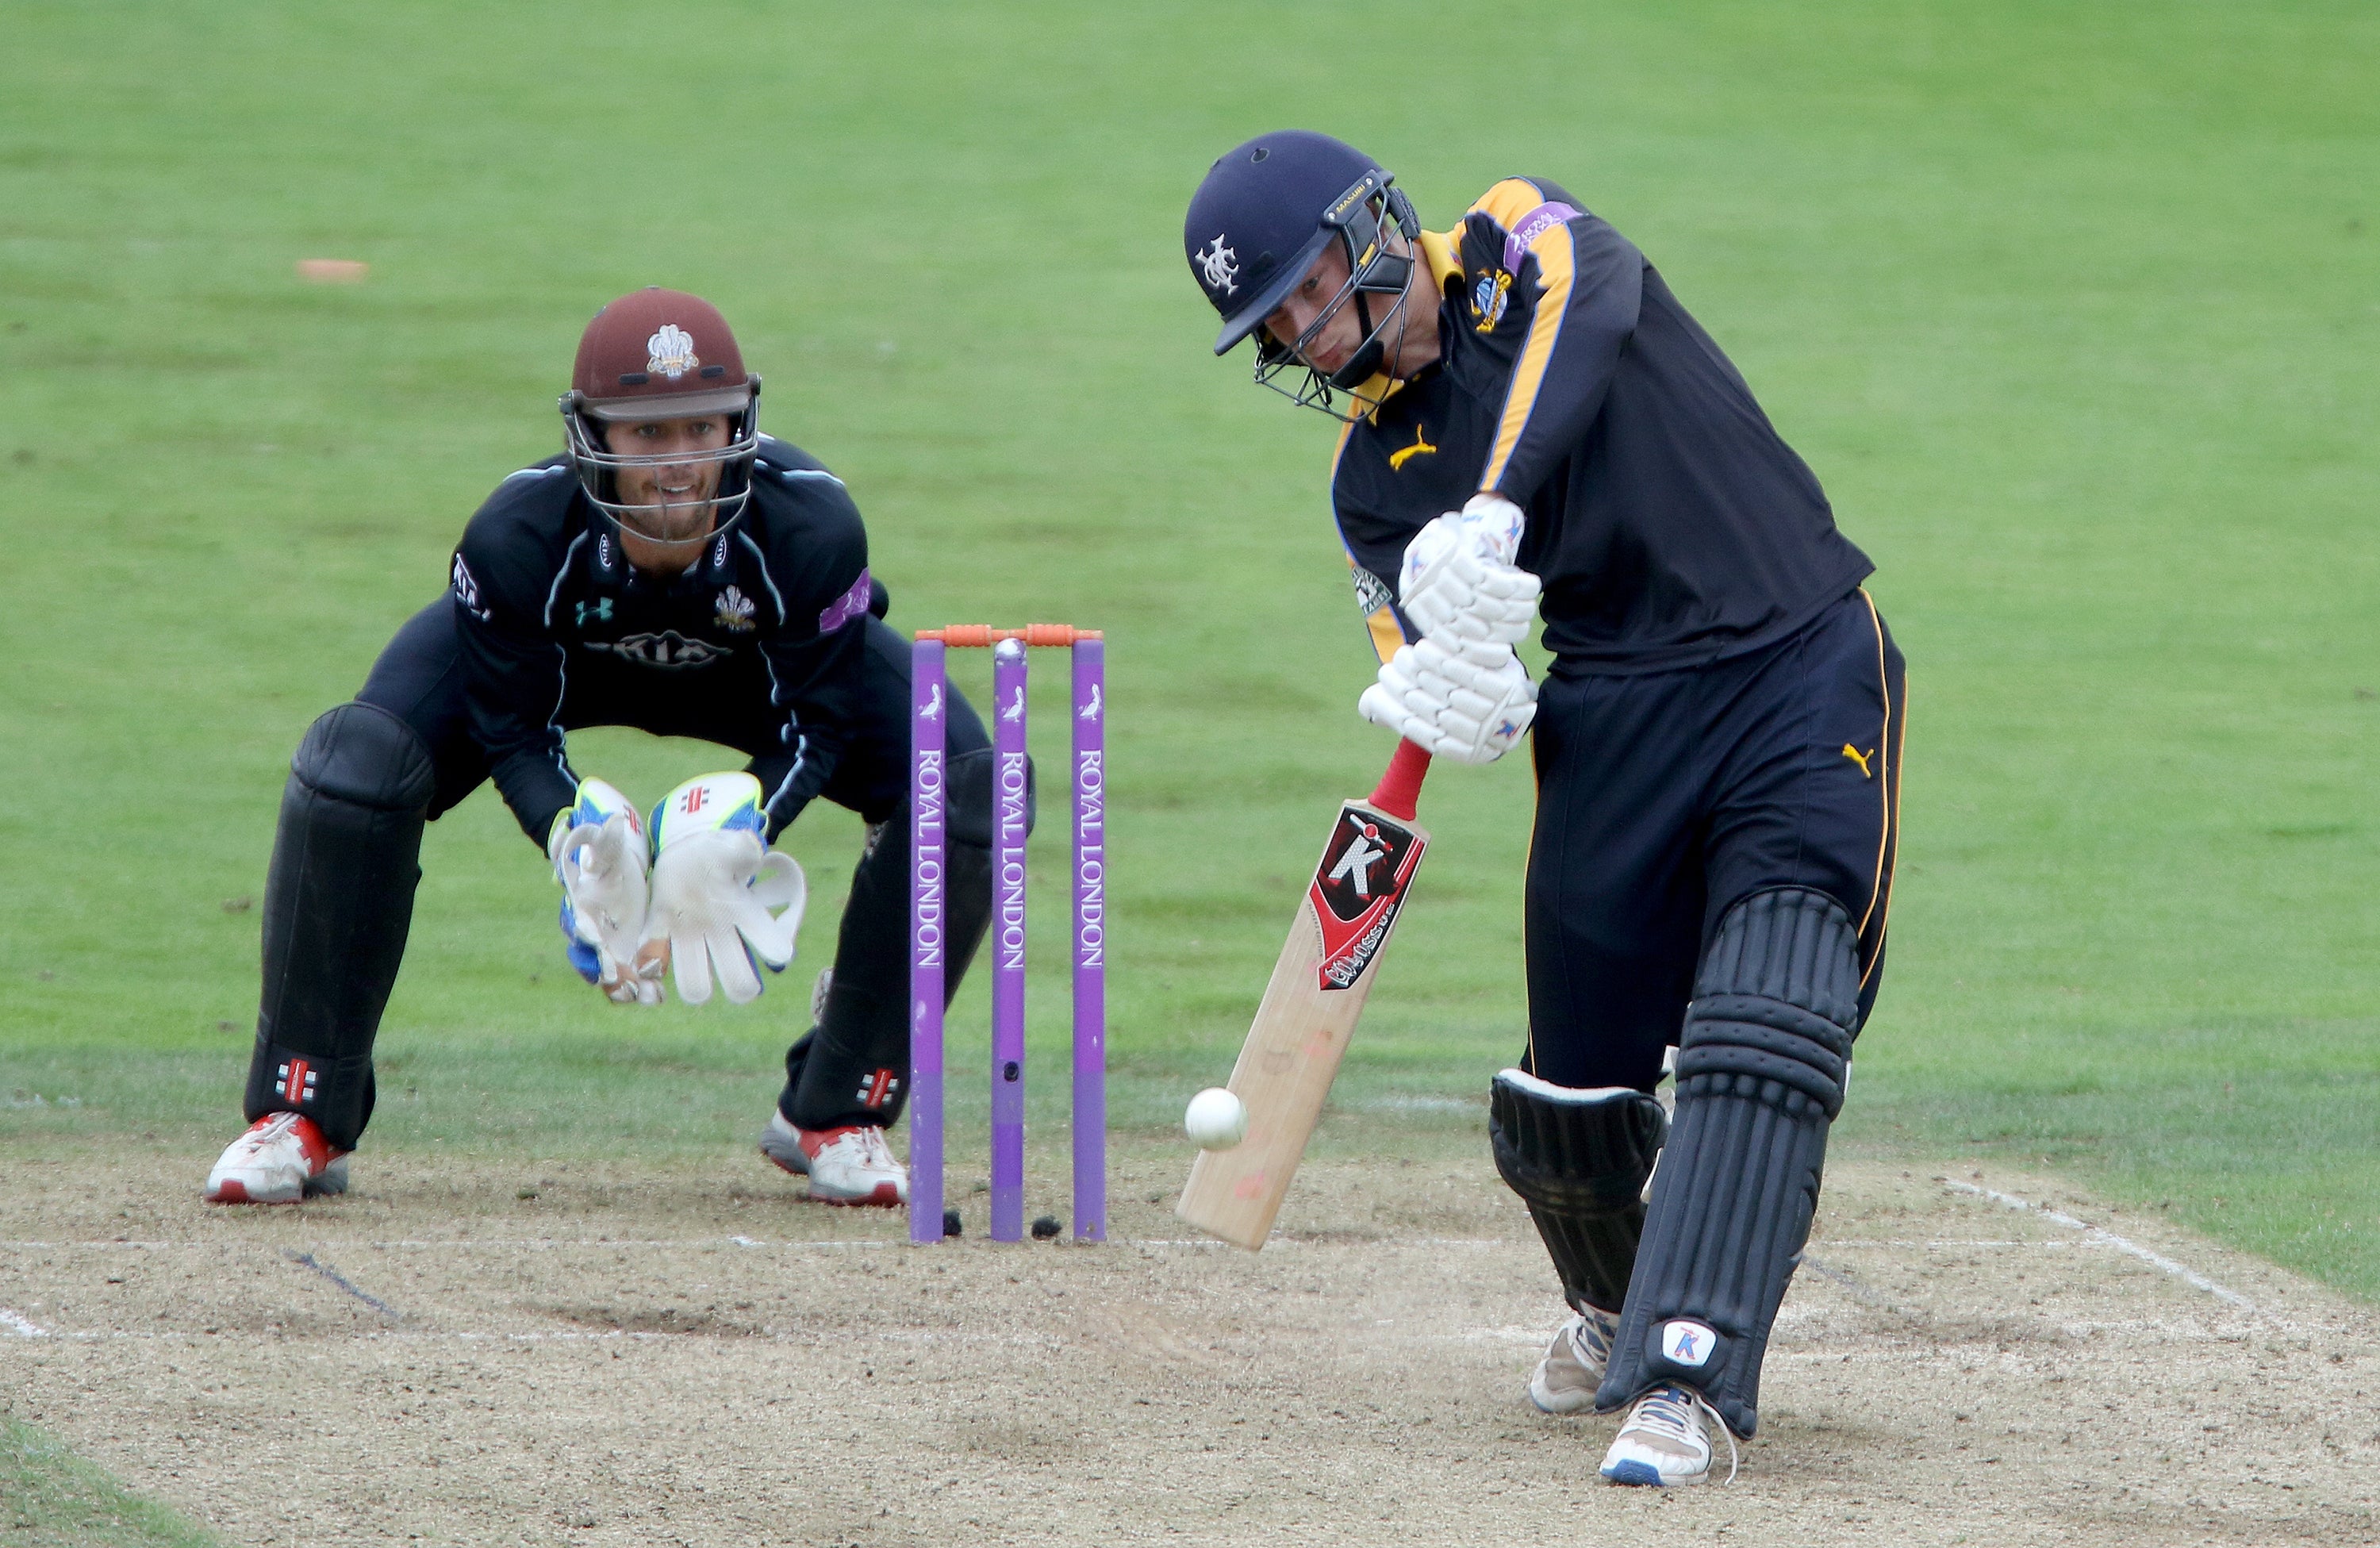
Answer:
[(1579, 1158), (1760, 1073), (338, 902)]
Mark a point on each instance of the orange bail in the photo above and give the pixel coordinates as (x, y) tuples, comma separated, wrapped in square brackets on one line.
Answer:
[(961, 636)]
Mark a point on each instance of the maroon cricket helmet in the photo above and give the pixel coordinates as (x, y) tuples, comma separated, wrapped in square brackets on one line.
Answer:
[(658, 354)]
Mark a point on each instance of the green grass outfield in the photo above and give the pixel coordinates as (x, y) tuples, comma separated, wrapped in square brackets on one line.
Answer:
[(2073, 307)]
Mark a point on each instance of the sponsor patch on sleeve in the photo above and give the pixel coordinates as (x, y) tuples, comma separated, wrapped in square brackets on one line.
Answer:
[(466, 590), (1536, 224), (844, 608)]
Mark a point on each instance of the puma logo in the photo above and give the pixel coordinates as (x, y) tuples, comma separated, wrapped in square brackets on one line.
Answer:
[(1856, 756), (1421, 447)]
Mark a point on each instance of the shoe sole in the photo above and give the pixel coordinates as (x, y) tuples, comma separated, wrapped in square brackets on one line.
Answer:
[(886, 1197), (799, 1168), (233, 1191), (1644, 1474)]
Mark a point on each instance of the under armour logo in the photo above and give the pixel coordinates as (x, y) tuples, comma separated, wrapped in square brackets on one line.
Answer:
[(1221, 266), (1856, 756), (598, 611)]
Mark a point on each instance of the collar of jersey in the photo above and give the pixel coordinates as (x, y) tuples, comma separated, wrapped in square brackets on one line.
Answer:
[(1445, 266)]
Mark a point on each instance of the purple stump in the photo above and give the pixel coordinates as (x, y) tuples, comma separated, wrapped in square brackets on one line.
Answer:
[(1090, 940), (929, 875), (1008, 788)]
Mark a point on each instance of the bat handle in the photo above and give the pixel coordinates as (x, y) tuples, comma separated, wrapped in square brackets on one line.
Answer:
[(1398, 792)]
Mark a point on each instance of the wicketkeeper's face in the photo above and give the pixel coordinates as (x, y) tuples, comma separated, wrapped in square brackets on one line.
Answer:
[(674, 495)]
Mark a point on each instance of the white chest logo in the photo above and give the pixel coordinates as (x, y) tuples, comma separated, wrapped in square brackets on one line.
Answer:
[(1221, 266), (671, 351), (735, 611)]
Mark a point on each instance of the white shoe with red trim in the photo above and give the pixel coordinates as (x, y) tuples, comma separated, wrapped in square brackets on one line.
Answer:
[(847, 1165), (281, 1159)]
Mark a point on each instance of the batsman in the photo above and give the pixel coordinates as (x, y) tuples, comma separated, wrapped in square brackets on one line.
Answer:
[(1535, 427), (675, 571)]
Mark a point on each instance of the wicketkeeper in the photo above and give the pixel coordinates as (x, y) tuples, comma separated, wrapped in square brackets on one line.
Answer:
[(1535, 427), (676, 571)]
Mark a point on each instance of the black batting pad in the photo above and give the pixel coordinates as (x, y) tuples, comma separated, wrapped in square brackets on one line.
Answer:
[(1760, 1073), (338, 902), (1579, 1158)]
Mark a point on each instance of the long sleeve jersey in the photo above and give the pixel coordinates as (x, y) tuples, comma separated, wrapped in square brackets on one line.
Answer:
[(1671, 524), (759, 644)]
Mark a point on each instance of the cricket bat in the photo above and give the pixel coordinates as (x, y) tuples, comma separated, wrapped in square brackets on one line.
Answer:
[(1318, 992)]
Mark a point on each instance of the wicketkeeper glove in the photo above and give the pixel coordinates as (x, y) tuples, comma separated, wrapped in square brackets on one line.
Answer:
[(599, 853), (715, 883), (1458, 578), (1465, 700)]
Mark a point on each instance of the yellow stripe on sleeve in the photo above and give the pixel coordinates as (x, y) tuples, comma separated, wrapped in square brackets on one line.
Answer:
[(1508, 202), (1557, 272)]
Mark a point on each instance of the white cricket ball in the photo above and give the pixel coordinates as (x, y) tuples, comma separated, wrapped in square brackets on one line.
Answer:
[(1217, 1120)]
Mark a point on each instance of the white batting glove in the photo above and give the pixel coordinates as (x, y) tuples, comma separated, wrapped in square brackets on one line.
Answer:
[(1464, 700), (1458, 577), (599, 853), (720, 898)]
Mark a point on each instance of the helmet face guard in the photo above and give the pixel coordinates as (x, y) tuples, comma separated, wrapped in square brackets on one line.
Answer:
[(598, 465), (1359, 220)]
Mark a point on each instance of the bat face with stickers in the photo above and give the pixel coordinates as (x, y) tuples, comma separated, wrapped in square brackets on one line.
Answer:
[(1310, 1007)]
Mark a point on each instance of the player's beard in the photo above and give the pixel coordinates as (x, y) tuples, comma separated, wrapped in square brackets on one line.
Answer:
[(679, 519)]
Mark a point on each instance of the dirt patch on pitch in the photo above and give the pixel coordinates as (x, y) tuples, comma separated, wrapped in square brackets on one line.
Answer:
[(642, 1357)]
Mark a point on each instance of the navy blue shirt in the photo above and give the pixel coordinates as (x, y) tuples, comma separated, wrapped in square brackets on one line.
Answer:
[(763, 633), (1671, 524)]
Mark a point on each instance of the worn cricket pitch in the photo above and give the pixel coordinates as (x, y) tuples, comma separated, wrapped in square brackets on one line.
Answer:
[(642, 1356)]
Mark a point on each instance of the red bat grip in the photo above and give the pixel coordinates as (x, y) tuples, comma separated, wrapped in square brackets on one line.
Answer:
[(1398, 792)]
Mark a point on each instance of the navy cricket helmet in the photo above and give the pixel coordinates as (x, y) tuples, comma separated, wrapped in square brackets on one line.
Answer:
[(1266, 210)]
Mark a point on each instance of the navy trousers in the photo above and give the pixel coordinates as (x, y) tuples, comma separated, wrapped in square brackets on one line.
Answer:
[(1663, 800)]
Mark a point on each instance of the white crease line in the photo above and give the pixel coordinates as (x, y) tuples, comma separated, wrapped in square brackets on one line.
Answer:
[(2105, 1238), (701, 1244), (1831, 1243), (527, 1244), (20, 1326)]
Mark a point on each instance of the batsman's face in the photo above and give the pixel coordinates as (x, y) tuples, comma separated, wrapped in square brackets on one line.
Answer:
[(674, 496), (1340, 338)]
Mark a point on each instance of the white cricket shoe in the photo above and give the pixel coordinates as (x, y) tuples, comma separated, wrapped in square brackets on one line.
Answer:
[(281, 1159), (1664, 1441), (1565, 1380), (847, 1165)]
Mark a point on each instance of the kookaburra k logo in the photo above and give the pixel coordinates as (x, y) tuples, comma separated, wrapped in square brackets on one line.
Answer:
[(1221, 266), (1355, 867)]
